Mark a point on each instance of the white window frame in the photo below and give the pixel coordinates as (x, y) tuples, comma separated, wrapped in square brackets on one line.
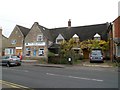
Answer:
[(41, 52), (41, 39), (60, 37)]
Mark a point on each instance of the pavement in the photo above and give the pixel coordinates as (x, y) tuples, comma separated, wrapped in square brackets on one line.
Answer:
[(86, 64)]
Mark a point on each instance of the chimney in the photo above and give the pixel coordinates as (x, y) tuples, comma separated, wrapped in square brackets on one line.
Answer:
[(69, 23), (36, 23)]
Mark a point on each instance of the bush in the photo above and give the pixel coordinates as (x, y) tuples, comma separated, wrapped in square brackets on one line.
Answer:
[(51, 54)]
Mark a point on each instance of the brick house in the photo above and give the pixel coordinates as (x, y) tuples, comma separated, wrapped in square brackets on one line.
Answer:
[(16, 40), (115, 39), (41, 39)]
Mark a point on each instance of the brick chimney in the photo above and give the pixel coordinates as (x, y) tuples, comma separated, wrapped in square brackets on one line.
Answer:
[(69, 23)]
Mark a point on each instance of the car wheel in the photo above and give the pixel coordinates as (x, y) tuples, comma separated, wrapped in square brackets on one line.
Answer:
[(19, 64), (8, 64), (91, 61)]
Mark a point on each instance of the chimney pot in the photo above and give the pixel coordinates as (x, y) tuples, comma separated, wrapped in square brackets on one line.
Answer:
[(69, 23)]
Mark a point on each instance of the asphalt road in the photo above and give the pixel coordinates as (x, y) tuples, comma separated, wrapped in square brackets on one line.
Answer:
[(70, 77)]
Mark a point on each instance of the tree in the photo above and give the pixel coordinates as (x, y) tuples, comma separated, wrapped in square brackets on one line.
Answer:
[(67, 49), (94, 44)]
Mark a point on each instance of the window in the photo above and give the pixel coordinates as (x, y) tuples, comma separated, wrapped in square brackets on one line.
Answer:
[(28, 52), (97, 37), (40, 38), (118, 51), (9, 51), (59, 39), (13, 42), (41, 52)]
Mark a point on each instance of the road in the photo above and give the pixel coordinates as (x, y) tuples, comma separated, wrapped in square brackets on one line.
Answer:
[(32, 76)]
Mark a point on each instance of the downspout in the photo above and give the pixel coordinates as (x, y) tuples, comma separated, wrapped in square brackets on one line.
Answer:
[(23, 46)]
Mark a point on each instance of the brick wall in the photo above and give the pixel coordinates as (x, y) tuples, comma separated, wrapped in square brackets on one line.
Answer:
[(117, 28)]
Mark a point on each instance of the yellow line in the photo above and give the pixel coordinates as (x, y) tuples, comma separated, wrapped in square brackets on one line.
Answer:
[(15, 85), (10, 85)]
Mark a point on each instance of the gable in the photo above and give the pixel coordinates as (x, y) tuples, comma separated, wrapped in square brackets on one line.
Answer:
[(23, 30), (34, 32), (60, 37), (15, 33)]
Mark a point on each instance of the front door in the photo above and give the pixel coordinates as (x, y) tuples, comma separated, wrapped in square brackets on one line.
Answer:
[(34, 53)]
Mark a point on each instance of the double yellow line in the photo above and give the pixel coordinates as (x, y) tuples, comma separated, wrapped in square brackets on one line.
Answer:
[(13, 85)]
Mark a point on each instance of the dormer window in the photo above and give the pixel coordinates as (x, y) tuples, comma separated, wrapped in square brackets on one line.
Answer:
[(59, 39), (76, 37), (97, 37), (40, 38)]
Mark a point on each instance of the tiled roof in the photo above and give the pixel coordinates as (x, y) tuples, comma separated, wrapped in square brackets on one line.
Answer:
[(84, 32), (24, 30)]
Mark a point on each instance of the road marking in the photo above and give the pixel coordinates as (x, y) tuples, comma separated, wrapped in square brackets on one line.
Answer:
[(75, 77), (15, 85), (16, 69)]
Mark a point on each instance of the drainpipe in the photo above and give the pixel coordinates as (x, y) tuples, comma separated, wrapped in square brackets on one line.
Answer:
[(23, 47)]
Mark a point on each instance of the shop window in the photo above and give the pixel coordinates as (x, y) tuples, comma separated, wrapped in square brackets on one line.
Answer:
[(41, 52), (9, 51), (28, 51)]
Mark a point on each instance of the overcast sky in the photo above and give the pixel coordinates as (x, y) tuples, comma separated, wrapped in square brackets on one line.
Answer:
[(55, 13)]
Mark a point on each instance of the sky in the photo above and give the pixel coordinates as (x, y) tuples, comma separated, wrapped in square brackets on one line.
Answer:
[(55, 13)]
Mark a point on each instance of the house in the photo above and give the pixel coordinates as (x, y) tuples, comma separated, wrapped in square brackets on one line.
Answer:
[(36, 41), (3, 43), (114, 34), (16, 40), (41, 39)]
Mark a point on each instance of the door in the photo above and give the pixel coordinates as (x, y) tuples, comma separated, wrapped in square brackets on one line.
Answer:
[(18, 51), (34, 53)]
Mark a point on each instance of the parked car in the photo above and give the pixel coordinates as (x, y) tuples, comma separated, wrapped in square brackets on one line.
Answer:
[(96, 55), (10, 60)]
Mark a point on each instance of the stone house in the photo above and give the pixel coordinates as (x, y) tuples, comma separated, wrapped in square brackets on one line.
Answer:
[(3, 43), (40, 39), (16, 40), (36, 42), (114, 36)]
